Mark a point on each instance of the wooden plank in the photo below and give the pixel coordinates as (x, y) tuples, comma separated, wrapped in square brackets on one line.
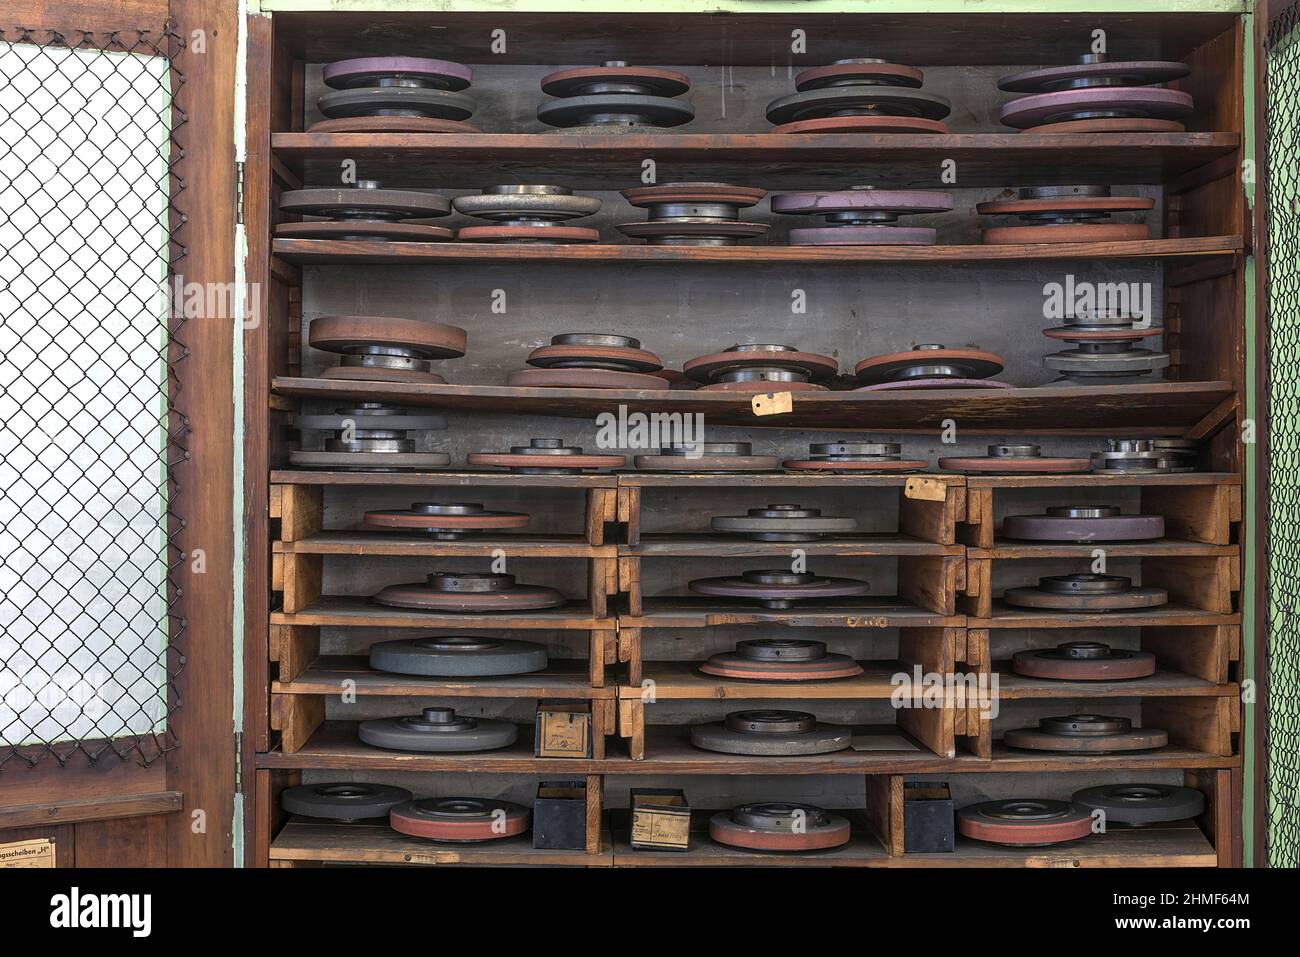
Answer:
[(364, 542), (441, 479), (932, 582), (856, 546), (1004, 616), (930, 519), (301, 511), (296, 717), (594, 804), (1203, 651), (1208, 583), (1161, 684), (872, 611), (1203, 724), (1197, 513), (562, 678), (123, 805), (302, 581), (123, 842), (71, 17), (361, 612)]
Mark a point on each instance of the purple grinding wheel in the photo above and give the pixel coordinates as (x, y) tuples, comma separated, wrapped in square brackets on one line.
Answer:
[(1128, 72), (937, 384), (853, 200), (862, 236), (363, 71), (1040, 108)]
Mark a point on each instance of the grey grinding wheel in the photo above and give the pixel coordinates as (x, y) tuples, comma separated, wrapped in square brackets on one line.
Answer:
[(458, 656), (343, 800), (438, 730)]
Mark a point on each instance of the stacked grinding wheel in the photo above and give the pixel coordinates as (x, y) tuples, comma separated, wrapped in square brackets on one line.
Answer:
[(778, 826), (458, 656), (385, 349), (1106, 350), (761, 367), (1084, 661), (370, 437), (364, 211), (1065, 214), (718, 457), (930, 366), (469, 593), (1017, 458), (1097, 96), (859, 95), (396, 94), (1085, 734), (614, 97), (862, 216), (1086, 592), (1137, 805), (1181, 453), (777, 588), (588, 360), (459, 820), (693, 214), (546, 457), (773, 733), (343, 800), (780, 659), (438, 731), (1024, 822), (450, 521), (855, 457), (784, 523), (1084, 523), (1140, 457), (527, 213)]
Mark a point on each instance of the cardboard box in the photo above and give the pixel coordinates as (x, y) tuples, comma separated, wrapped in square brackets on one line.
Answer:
[(563, 730), (661, 819), (560, 815), (928, 821)]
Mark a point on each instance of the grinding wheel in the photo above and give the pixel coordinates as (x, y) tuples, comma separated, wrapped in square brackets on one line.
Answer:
[(546, 457), (1110, 124), (469, 593), (447, 521), (1013, 458), (855, 457), (392, 124), (1084, 661), (458, 820), (370, 436), (1084, 523), (928, 361), (783, 523), (366, 201), (420, 72), (1024, 822), (517, 202), (370, 461), (1085, 593), (531, 233), (361, 229), (713, 367), (776, 588), (778, 826), (426, 340), (458, 656), (615, 96), (586, 350), (857, 100), (862, 215), (693, 214), (753, 381), (585, 379), (438, 731), (781, 659), (1141, 804), (1139, 457), (1085, 734), (1094, 90), (1065, 214), (708, 457), (396, 101), (770, 733), (862, 124), (343, 800)]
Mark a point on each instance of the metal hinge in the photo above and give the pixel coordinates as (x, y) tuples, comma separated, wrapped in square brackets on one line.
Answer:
[(239, 761), (239, 192)]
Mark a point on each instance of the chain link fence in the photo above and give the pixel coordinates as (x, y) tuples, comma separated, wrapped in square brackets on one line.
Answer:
[(91, 436)]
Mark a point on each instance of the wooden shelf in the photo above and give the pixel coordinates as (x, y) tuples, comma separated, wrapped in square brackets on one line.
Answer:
[(365, 842), (439, 479), (683, 680), (777, 161), (353, 611), (1009, 548), (1162, 684), (1005, 616), (394, 543), (777, 479), (884, 544), (358, 252), (689, 611), (563, 678), (1009, 759), (1094, 480), (1152, 409)]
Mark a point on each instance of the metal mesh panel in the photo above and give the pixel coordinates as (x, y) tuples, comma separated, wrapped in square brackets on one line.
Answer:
[(89, 433), (1282, 171)]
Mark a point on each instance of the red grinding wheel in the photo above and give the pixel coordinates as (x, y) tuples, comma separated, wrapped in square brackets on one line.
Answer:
[(703, 368), (392, 124), (780, 660), (770, 827), (693, 193), (532, 234), (756, 387), (472, 517), (897, 73), (459, 820), (1095, 662), (987, 362), (586, 379), (863, 124), (659, 82), (1075, 334), (1067, 233), (469, 592), (510, 460), (548, 356), (338, 333), (937, 384), (1031, 465), (1024, 822), (1111, 124), (883, 465), (348, 229), (379, 374)]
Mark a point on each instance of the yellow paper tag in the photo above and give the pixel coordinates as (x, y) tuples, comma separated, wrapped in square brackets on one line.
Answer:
[(926, 489), (37, 853), (772, 403)]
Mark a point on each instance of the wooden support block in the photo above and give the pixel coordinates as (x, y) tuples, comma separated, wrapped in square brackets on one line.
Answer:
[(594, 802), (932, 581), (598, 586), (1203, 651), (596, 658), (277, 572), (302, 580), (629, 582), (977, 650), (923, 515), (933, 727), (1196, 513), (977, 600), (629, 652), (602, 723), (884, 810), (302, 511), (1217, 818), (296, 717), (629, 513), (1204, 723), (601, 508), (297, 646), (1205, 582), (977, 529), (631, 725), (274, 506)]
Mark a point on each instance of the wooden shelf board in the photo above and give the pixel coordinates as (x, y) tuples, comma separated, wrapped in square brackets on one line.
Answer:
[(1009, 548), (439, 479), (1009, 759), (1095, 480), (1005, 616), (356, 611), (563, 678), (1162, 684), (778, 479), (365, 542), (689, 611), (365, 842), (1151, 409), (683, 680), (798, 161), (864, 545)]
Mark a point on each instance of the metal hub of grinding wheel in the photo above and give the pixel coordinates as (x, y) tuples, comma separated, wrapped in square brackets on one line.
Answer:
[(527, 213), (1183, 453), (438, 730), (370, 436), (1095, 95), (1084, 661), (1085, 592), (693, 214), (588, 360), (1024, 822), (1065, 214), (1085, 734), (1016, 458), (446, 521), (931, 366), (784, 523), (761, 367), (781, 659), (843, 456), (385, 348), (771, 733), (708, 457), (1084, 523), (396, 94), (614, 96), (343, 800), (778, 826), (1140, 804), (458, 656), (777, 588), (458, 820), (1138, 457), (364, 211), (862, 216), (1106, 349), (469, 592), (859, 94), (546, 457)]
